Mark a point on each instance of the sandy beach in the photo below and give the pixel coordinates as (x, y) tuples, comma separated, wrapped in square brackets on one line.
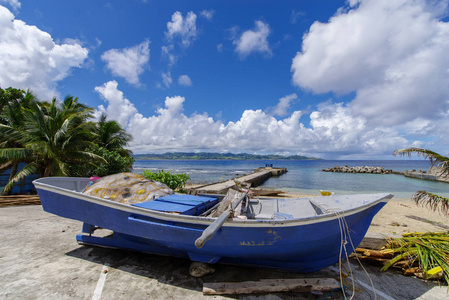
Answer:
[(396, 218), (399, 216)]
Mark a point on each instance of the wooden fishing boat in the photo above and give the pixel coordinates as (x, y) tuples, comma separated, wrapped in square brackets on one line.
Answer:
[(301, 235)]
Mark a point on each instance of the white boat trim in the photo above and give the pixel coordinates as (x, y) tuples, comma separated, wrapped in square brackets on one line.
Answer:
[(196, 220)]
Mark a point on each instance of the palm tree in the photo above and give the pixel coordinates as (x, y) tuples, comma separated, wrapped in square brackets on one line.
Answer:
[(435, 202), (111, 136), (55, 136), (14, 104)]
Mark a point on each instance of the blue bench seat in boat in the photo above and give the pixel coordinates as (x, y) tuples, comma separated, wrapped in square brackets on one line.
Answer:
[(182, 204)]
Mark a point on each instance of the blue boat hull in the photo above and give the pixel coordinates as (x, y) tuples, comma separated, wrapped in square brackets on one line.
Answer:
[(307, 246)]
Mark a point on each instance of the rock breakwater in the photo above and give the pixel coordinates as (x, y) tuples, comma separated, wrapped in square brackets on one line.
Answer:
[(363, 169)]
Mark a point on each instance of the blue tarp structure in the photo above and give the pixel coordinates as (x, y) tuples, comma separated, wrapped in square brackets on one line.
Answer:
[(22, 187)]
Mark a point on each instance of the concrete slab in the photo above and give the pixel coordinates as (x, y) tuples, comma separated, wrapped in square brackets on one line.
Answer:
[(254, 179), (40, 259), (217, 188)]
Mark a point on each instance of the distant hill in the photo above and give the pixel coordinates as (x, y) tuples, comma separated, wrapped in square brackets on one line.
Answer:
[(219, 156)]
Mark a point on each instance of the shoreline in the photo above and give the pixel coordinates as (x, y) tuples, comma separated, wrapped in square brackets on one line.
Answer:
[(400, 215)]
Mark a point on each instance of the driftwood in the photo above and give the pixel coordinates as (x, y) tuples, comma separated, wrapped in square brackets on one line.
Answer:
[(270, 286), (376, 253), (374, 257), (372, 260), (19, 200)]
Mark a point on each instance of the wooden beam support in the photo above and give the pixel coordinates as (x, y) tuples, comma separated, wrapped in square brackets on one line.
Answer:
[(271, 286)]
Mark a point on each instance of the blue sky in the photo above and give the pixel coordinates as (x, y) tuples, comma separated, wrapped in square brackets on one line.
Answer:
[(333, 79)]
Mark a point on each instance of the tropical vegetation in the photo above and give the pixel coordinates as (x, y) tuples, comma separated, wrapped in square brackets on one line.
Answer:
[(433, 201), (173, 181), (57, 138), (424, 254)]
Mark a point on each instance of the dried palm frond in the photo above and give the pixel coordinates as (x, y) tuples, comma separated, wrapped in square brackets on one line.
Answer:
[(432, 201), (430, 250), (436, 159)]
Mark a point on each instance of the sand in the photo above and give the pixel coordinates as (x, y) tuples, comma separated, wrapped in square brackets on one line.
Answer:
[(393, 219)]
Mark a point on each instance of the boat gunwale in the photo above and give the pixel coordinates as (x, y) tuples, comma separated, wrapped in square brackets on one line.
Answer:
[(197, 220)]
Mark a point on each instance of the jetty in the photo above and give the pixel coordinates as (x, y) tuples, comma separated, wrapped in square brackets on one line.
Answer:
[(433, 174), (362, 169), (257, 178)]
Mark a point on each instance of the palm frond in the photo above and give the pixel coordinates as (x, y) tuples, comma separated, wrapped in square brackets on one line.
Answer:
[(430, 250), (436, 159), (432, 201), (29, 169), (15, 154), (88, 155)]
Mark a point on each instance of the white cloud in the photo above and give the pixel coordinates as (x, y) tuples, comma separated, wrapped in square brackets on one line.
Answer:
[(128, 63), (14, 4), (208, 14), (253, 41), (166, 79), (184, 28), (184, 80), (29, 58), (281, 109), (167, 52), (393, 54), (332, 130), (220, 47), (118, 107), (294, 17)]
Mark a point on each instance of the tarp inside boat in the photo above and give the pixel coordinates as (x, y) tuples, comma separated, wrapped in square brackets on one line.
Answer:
[(127, 188)]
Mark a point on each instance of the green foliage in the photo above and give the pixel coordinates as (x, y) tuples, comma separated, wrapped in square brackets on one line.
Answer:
[(57, 138), (9, 95), (113, 163), (430, 250), (173, 181), (57, 134), (112, 136)]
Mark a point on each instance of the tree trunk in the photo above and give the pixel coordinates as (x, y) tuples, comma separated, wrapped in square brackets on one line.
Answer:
[(47, 171)]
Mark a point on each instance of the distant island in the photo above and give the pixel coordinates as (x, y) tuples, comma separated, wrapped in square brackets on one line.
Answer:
[(218, 156)]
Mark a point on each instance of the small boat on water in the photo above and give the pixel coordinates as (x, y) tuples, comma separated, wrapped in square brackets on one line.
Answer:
[(301, 235)]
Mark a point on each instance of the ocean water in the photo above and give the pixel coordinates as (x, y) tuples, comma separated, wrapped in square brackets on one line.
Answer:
[(306, 176)]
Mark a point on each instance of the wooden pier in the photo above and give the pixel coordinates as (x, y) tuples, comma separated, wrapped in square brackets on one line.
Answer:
[(257, 178)]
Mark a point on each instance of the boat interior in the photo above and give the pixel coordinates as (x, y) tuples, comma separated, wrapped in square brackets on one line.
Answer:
[(258, 208)]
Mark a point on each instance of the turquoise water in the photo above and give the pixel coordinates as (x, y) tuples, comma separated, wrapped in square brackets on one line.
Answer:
[(307, 176)]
